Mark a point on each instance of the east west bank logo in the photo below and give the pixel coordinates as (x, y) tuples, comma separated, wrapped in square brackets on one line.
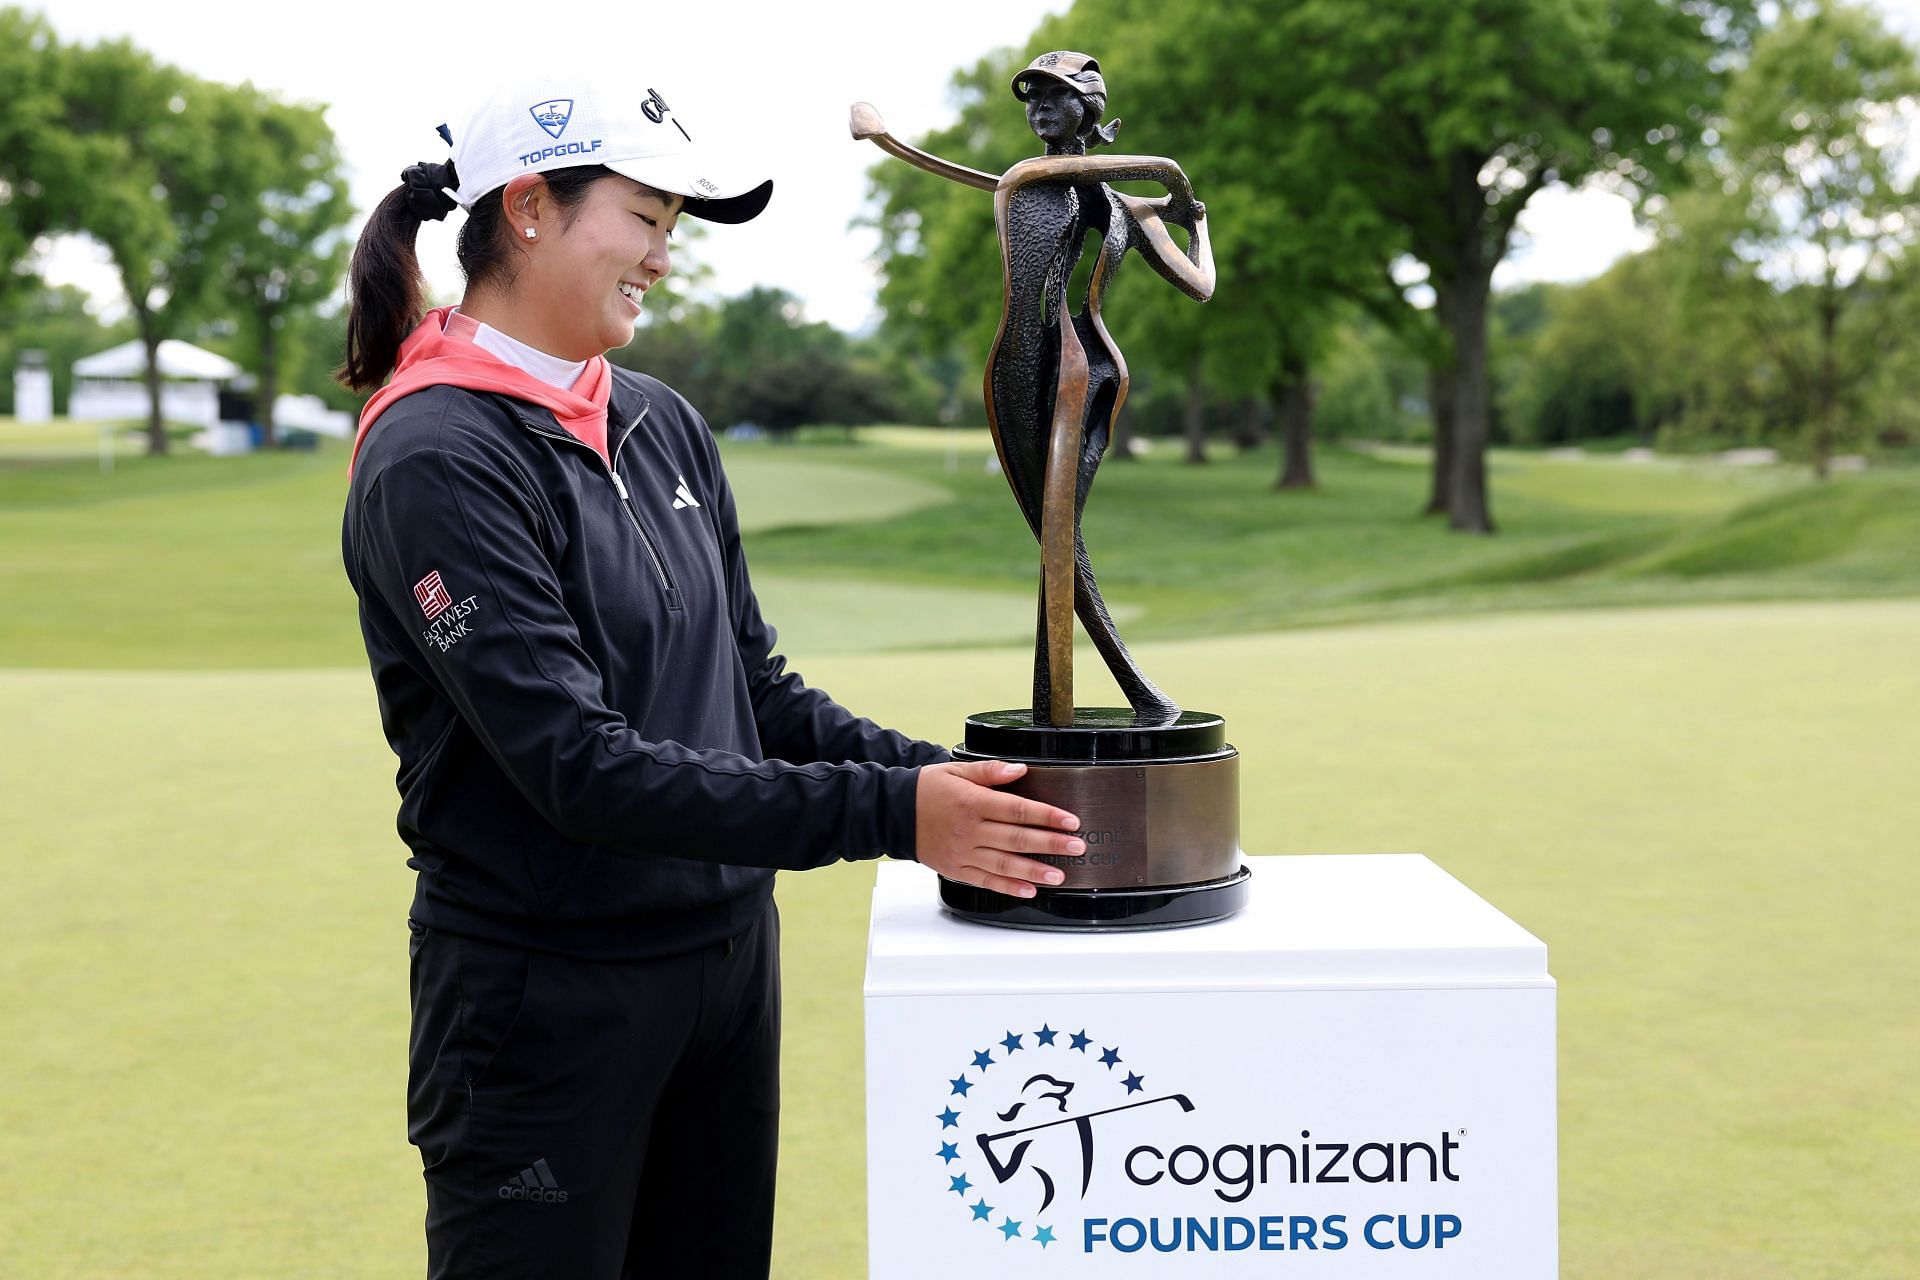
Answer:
[(1054, 1138)]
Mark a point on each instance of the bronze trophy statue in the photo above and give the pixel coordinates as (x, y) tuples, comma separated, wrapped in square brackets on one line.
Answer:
[(1156, 788)]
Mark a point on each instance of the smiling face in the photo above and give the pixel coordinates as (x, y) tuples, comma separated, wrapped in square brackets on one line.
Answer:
[(577, 294), (1055, 113)]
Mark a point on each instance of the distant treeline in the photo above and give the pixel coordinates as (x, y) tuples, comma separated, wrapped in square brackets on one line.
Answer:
[(1364, 165), (756, 359)]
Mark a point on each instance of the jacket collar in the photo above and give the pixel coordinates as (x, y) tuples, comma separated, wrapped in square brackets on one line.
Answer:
[(626, 405)]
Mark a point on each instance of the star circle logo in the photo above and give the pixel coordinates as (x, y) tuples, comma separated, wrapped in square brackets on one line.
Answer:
[(1022, 1120)]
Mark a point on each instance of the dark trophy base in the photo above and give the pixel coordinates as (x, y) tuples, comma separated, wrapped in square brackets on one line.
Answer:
[(1159, 809)]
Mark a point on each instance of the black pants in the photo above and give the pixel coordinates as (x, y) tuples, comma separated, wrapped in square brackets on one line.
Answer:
[(596, 1120)]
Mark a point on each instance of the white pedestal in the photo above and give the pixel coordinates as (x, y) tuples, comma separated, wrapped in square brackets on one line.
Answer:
[(1352, 1077)]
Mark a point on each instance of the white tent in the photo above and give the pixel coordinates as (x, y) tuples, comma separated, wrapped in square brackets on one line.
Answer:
[(310, 413), (177, 359), (111, 385)]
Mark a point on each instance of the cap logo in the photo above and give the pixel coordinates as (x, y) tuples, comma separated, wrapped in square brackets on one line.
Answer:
[(655, 108), (1047, 60), (553, 116)]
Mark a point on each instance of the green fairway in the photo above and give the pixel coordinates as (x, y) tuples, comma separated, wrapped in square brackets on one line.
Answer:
[(1705, 811)]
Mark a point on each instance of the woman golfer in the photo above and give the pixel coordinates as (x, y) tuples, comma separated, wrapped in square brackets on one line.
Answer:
[(603, 760)]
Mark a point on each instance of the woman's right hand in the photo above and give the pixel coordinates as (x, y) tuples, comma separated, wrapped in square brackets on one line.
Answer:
[(969, 832)]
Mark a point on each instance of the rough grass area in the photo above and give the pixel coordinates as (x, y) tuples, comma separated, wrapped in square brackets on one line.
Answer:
[(1208, 550), (215, 563), (1707, 814), (199, 562), (25, 442)]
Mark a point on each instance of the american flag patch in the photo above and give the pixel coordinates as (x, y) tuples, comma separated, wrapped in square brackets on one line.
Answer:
[(432, 595)]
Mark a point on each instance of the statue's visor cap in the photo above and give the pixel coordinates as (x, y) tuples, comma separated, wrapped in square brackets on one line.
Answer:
[(1075, 70)]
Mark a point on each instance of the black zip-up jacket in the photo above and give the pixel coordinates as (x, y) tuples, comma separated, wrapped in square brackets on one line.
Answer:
[(600, 752)]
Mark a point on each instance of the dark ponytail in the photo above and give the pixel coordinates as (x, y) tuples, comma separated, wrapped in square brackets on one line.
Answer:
[(385, 290), (384, 285)]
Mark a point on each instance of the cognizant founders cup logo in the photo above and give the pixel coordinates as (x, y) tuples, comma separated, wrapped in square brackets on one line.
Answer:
[(1056, 1138)]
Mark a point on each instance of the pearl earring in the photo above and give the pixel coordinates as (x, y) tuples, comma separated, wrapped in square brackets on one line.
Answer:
[(531, 233)]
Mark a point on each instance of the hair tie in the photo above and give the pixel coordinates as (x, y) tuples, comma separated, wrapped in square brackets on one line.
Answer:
[(427, 187)]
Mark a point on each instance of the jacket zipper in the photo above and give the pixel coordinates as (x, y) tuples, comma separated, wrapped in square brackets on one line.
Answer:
[(626, 499)]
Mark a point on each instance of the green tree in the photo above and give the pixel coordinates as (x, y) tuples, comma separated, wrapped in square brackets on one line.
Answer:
[(674, 350), (1807, 210), (756, 358), (1446, 118), (1616, 355), (33, 172), (47, 167), (156, 197), (201, 193), (1372, 386), (770, 365), (314, 343), (1295, 253), (286, 206)]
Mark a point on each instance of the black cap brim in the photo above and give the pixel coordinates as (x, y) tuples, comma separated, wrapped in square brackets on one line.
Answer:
[(741, 208)]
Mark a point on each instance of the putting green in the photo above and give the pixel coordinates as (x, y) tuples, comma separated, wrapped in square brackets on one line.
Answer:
[(1708, 814), (842, 615), (819, 614), (772, 490)]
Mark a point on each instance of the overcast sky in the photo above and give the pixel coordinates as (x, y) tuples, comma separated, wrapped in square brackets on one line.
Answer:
[(776, 77)]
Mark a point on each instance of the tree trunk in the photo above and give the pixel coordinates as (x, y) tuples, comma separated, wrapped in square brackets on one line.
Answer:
[(1828, 392), (1440, 402), (1294, 397), (156, 424), (1250, 434), (269, 384), (1196, 414), (1467, 507)]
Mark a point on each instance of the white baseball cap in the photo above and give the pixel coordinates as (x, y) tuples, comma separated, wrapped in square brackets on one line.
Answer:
[(533, 125)]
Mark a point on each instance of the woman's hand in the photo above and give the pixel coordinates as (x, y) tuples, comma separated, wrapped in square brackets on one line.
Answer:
[(969, 832)]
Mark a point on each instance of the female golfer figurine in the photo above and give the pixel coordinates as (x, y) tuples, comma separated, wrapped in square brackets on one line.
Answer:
[(1055, 380)]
